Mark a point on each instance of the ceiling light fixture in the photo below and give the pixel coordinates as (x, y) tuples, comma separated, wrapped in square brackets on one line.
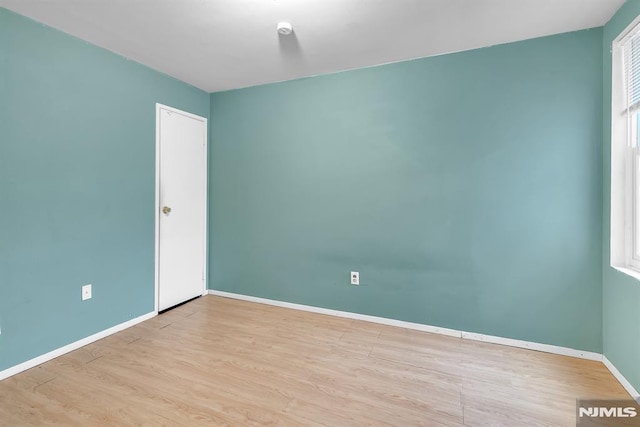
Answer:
[(284, 28)]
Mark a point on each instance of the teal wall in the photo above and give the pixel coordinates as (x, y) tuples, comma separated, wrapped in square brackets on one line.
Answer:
[(621, 293), (465, 188), (77, 179)]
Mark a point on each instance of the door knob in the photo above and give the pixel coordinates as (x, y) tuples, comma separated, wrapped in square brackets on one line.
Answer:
[(166, 210)]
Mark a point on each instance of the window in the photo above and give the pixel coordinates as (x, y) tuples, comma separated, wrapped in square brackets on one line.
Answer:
[(625, 151)]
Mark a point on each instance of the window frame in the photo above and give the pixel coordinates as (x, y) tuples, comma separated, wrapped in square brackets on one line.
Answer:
[(632, 221), (625, 162)]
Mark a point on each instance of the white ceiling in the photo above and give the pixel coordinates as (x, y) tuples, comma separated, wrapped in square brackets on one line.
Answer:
[(226, 44)]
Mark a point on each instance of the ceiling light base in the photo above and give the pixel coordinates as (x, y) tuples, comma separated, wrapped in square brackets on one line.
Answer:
[(284, 28)]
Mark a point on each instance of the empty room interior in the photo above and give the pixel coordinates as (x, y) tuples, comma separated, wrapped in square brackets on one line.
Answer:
[(319, 212)]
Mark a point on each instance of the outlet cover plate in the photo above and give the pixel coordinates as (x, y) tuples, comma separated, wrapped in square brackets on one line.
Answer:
[(355, 278), (86, 292)]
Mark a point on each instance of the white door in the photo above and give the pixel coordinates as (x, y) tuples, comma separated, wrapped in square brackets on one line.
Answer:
[(181, 163)]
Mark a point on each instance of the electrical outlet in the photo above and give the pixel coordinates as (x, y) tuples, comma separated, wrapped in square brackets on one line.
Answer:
[(86, 292), (355, 278)]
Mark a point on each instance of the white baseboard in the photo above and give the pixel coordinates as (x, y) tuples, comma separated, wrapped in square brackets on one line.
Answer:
[(338, 313), (621, 379), (547, 348), (73, 346)]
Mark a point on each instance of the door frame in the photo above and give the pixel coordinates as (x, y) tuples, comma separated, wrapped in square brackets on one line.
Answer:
[(205, 226)]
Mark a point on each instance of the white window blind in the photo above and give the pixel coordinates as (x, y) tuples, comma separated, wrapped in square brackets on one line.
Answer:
[(631, 52)]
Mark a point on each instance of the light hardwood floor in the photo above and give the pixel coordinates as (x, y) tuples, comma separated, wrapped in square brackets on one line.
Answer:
[(217, 361)]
